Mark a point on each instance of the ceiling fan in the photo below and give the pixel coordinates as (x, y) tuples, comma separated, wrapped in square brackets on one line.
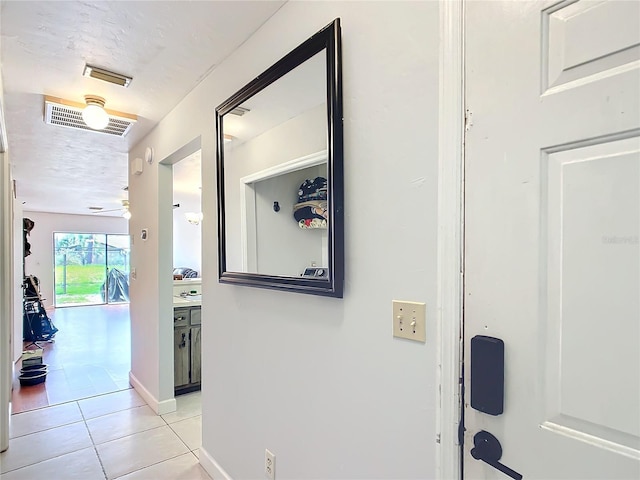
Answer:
[(124, 209)]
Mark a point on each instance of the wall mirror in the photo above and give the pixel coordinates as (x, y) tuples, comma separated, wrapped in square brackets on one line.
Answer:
[(280, 174)]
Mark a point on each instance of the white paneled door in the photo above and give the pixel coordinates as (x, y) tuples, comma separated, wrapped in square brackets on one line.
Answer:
[(552, 226)]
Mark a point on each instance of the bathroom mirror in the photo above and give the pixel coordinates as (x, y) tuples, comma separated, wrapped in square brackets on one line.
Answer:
[(280, 180)]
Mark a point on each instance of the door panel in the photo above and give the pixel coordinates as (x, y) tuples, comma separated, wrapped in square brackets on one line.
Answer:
[(552, 226), (591, 288), (181, 360), (196, 354), (582, 41)]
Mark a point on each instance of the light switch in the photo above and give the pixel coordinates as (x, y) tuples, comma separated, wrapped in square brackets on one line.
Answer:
[(409, 320)]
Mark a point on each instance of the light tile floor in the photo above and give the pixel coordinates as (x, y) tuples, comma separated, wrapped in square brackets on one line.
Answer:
[(106, 437)]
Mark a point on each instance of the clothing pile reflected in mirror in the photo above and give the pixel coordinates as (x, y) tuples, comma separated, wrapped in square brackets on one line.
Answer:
[(311, 209)]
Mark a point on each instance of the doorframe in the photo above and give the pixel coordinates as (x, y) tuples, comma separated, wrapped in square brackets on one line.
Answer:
[(165, 266), (450, 274), (6, 295), (248, 233)]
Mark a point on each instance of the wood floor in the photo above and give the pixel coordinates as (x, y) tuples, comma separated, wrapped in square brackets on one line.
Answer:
[(90, 355)]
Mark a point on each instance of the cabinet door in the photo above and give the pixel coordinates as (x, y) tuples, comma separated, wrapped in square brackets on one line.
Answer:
[(196, 315), (180, 317), (181, 356), (195, 354)]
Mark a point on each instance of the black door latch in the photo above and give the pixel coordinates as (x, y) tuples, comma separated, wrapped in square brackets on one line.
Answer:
[(488, 449)]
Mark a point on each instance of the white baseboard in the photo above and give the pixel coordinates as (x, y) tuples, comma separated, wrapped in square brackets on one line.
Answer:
[(212, 467), (166, 406)]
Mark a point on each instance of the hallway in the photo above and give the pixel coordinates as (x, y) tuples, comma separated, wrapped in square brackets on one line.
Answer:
[(90, 355), (106, 437)]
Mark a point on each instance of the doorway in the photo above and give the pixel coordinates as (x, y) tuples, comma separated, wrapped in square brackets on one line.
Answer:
[(187, 215), (91, 268)]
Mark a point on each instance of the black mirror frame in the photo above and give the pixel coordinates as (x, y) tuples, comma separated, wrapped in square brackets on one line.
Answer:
[(328, 38)]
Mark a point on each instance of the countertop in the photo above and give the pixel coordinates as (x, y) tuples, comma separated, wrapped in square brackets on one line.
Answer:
[(188, 281), (187, 301)]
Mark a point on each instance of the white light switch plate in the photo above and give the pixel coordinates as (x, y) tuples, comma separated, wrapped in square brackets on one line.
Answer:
[(409, 319)]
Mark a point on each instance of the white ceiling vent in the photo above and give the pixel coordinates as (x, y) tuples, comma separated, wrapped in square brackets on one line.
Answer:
[(65, 113)]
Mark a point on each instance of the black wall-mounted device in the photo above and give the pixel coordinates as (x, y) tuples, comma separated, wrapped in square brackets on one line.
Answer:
[(487, 374)]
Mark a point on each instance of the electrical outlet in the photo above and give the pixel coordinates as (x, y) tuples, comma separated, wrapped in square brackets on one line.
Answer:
[(409, 319), (269, 464)]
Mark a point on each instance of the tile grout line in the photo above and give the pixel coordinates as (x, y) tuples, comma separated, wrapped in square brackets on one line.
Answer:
[(165, 460), (46, 429), (189, 451), (84, 420), (179, 437), (42, 461), (148, 466), (57, 456), (93, 443), (95, 446)]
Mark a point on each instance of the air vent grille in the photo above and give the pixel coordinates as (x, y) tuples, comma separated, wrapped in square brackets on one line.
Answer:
[(70, 116), (239, 111)]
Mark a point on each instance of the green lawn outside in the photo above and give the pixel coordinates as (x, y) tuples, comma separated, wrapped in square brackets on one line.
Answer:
[(83, 283)]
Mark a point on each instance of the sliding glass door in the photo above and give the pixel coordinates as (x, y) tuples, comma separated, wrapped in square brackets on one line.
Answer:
[(91, 268)]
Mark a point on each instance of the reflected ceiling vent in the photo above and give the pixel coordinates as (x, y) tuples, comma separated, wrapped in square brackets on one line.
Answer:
[(239, 111), (65, 113), (106, 76)]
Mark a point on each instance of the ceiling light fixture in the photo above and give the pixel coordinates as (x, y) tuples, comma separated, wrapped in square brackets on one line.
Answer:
[(106, 76), (125, 205), (194, 218), (94, 114), (66, 113)]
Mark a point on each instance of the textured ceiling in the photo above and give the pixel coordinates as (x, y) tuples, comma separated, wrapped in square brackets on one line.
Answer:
[(167, 47)]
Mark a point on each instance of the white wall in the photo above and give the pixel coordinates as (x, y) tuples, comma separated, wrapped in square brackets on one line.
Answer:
[(187, 238), (40, 262), (298, 137), (319, 381)]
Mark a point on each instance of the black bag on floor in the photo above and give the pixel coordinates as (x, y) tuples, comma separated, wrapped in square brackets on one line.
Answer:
[(36, 325)]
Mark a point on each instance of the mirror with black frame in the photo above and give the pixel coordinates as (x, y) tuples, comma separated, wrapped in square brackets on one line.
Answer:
[(280, 174)]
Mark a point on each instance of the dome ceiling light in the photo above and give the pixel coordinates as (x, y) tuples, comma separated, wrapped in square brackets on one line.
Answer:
[(94, 114), (66, 113)]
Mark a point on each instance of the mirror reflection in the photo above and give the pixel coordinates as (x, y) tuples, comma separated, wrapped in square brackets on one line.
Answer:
[(275, 179), (280, 185)]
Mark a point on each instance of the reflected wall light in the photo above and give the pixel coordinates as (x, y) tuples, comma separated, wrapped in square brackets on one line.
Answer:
[(94, 114), (194, 218), (126, 213)]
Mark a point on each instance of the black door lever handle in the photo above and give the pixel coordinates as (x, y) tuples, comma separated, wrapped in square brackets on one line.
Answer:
[(488, 449)]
